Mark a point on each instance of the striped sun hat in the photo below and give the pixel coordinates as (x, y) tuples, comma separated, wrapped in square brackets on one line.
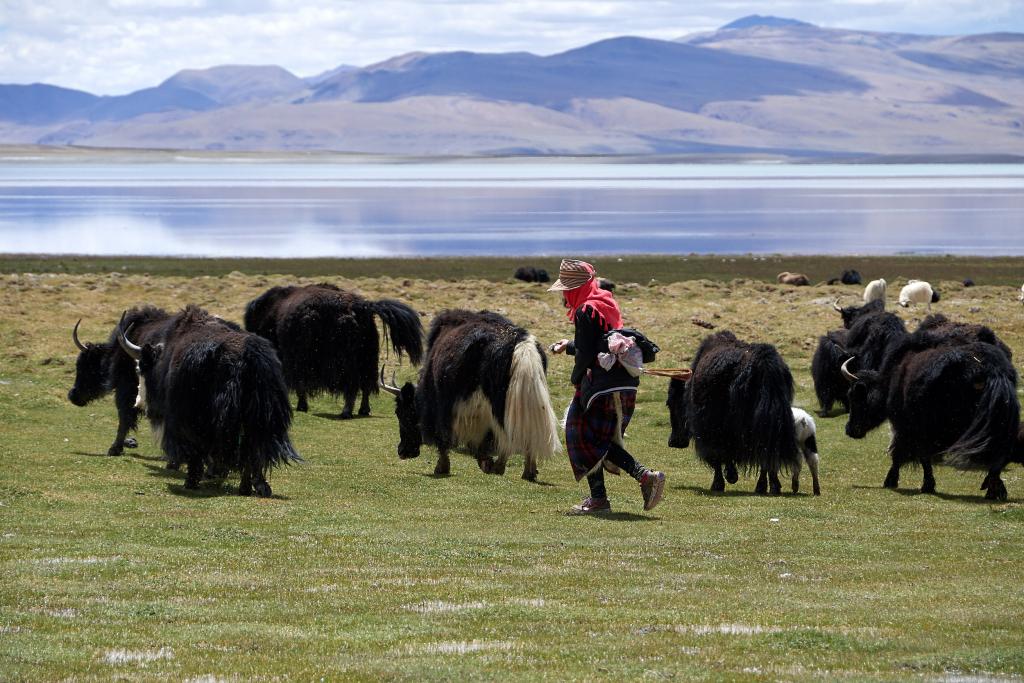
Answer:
[(572, 273)]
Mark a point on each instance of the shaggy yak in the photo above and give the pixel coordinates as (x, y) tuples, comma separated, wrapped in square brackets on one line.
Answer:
[(328, 342), (215, 397), (483, 384), (736, 407), (531, 274), (949, 391), (102, 368), (829, 384)]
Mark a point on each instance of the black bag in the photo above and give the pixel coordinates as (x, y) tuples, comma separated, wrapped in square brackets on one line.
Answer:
[(648, 349)]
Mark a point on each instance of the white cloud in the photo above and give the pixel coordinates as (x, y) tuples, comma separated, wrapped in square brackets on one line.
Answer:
[(115, 46)]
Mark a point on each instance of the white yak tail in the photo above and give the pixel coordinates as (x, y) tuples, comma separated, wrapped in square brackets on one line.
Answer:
[(530, 423)]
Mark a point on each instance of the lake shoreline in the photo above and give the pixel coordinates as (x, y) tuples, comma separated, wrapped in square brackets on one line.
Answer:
[(642, 269)]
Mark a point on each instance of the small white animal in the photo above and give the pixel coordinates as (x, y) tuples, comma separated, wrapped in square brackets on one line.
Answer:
[(918, 292), (805, 431), (1021, 294), (875, 291)]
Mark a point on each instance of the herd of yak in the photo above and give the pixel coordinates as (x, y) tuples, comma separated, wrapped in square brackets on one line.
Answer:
[(217, 395)]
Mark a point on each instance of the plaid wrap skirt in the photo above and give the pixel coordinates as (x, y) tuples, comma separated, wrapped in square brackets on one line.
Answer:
[(589, 433)]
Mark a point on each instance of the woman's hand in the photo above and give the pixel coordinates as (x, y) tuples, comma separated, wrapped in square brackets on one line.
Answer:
[(558, 346)]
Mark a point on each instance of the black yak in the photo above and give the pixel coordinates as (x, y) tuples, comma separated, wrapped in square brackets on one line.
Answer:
[(829, 384), (216, 397), (736, 407), (949, 393), (328, 341), (849, 277), (531, 274), (483, 384), (102, 368)]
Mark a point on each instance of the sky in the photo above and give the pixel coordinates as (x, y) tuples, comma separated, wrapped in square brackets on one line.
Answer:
[(111, 47)]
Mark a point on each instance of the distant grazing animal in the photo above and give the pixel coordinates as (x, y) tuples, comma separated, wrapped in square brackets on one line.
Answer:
[(805, 437), (849, 277), (483, 384), (875, 291), (1021, 297), (968, 282), (216, 397), (531, 274), (328, 341), (788, 278), (102, 368), (605, 283), (736, 407), (918, 292)]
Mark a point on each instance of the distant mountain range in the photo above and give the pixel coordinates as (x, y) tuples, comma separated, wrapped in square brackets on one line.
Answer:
[(760, 85)]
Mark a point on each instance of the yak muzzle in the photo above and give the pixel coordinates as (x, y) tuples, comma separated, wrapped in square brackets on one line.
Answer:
[(76, 398)]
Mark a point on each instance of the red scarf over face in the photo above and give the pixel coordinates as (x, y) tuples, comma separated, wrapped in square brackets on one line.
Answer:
[(600, 300)]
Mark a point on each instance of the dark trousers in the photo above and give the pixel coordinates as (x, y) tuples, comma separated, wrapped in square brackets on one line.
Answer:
[(620, 457)]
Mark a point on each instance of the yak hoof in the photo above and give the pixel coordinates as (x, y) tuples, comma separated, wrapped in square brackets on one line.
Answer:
[(718, 486), (345, 415), (891, 482), (530, 475), (761, 488), (996, 490), (173, 466), (440, 471), (245, 489), (192, 483), (130, 442), (302, 406), (486, 465), (262, 489), (498, 468), (928, 487), (115, 449), (817, 490), (796, 486), (364, 412)]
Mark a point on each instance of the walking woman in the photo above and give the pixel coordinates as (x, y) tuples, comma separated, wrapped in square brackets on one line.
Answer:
[(605, 397)]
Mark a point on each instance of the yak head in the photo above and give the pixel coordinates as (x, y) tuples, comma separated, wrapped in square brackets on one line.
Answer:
[(92, 370), (677, 405), (146, 357), (409, 436), (851, 313), (867, 401)]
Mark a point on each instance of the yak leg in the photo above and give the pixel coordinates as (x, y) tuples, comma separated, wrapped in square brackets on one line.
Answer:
[(796, 476), (364, 405), (303, 404), (731, 474), (443, 467), (762, 482), (994, 483), (812, 464), (892, 479), (774, 485), (350, 400), (530, 467), (928, 484), (718, 482), (195, 470)]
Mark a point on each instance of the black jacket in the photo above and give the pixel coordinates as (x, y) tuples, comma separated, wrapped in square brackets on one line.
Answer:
[(588, 342)]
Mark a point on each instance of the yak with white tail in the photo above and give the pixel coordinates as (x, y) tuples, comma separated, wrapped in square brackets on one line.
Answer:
[(483, 385)]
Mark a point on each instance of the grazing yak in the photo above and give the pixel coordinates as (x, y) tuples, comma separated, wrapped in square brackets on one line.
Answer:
[(829, 384), (102, 368), (605, 284), (531, 274), (216, 397), (949, 393), (787, 278), (736, 407), (849, 277), (918, 292), (328, 342), (875, 291), (483, 384)]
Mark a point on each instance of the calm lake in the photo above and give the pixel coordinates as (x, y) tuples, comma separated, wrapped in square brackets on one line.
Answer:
[(506, 207)]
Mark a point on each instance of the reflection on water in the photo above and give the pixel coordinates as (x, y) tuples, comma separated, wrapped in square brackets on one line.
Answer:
[(291, 210)]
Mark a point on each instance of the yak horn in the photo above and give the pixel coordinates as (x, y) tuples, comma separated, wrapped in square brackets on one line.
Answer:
[(390, 388), (835, 305), (846, 373), (74, 335), (122, 338)]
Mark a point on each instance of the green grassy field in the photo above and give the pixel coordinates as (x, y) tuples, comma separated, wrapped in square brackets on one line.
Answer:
[(364, 567)]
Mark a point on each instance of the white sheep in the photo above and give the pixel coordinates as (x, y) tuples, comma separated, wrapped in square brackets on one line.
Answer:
[(875, 291), (918, 292), (1021, 297), (805, 431)]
